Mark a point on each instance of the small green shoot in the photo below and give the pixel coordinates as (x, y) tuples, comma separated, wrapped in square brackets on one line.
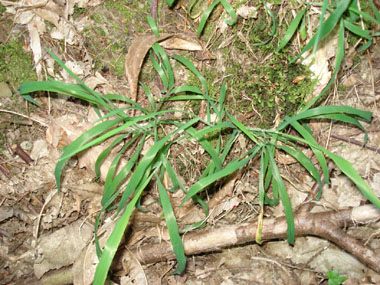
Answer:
[(334, 278)]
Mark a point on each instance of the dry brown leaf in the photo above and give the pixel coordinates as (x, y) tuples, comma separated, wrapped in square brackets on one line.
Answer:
[(64, 130), (182, 44), (35, 27), (85, 264), (132, 272), (320, 62), (135, 58), (49, 16), (62, 247)]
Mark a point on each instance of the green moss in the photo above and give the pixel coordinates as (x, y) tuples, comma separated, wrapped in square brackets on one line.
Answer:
[(2, 9), (78, 12), (263, 82), (16, 65), (118, 65), (341, 87), (129, 10), (269, 87)]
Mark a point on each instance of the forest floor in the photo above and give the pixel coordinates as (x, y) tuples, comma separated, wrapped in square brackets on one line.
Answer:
[(43, 234)]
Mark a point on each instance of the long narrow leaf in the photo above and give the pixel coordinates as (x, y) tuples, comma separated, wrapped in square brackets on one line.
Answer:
[(172, 226), (346, 119), (207, 147), (261, 197), (327, 26), (206, 181), (325, 110), (105, 153), (273, 20), (375, 10), (243, 128), (366, 16), (320, 26), (114, 240), (73, 90), (146, 162), (351, 173), (338, 61), (166, 64), (268, 178), (160, 70), (230, 11), (108, 190), (153, 25), (304, 161), (71, 149), (356, 30), (279, 184), (203, 81), (311, 141), (291, 29), (346, 168), (185, 89), (205, 16), (102, 100), (170, 2)]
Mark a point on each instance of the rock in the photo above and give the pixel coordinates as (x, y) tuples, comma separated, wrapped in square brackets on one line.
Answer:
[(5, 91)]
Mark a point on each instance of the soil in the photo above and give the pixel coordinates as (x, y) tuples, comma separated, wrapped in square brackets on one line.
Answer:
[(43, 232)]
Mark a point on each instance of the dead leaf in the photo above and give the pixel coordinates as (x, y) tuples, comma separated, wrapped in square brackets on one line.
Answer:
[(5, 213), (62, 247), (247, 12), (48, 15), (39, 150), (133, 272), (181, 44), (34, 27), (320, 62), (93, 193), (85, 264), (135, 58)]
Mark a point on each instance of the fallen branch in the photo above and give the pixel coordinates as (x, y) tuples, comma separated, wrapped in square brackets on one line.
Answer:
[(326, 225), (356, 142)]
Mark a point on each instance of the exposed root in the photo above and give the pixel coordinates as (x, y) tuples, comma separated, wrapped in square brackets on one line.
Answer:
[(326, 225)]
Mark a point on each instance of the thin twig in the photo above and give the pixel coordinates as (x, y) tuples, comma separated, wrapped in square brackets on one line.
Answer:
[(17, 149), (16, 122), (306, 206), (25, 116), (356, 142)]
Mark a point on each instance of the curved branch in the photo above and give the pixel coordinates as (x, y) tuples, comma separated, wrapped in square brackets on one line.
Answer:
[(326, 225)]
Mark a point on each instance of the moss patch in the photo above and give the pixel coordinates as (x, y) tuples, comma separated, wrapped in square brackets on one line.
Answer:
[(16, 65), (258, 78)]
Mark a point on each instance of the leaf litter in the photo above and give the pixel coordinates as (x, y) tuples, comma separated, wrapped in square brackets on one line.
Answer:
[(134, 60)]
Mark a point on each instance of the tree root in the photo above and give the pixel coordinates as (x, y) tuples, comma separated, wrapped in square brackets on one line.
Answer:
[(327, 225)]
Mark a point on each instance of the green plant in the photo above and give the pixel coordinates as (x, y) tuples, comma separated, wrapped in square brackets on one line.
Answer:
[(118, 125), (334, 277), (344, 15), (157, 122)]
